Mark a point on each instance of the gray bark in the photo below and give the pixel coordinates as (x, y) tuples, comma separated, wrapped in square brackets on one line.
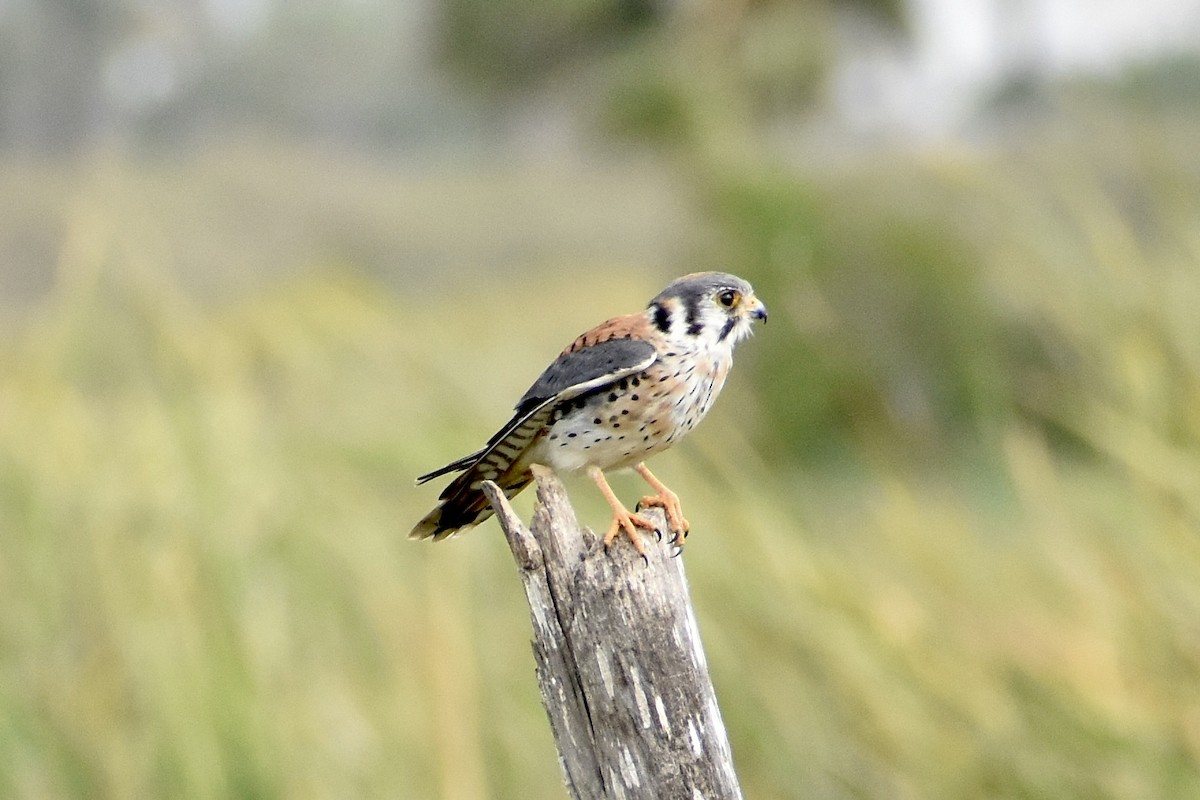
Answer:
[(619, 661)]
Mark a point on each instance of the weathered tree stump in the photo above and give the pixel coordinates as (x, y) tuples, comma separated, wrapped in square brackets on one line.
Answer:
[(619, 661)]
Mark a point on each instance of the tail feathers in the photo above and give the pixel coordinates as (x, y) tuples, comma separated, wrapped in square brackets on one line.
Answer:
[(433, 527), (466, 462), (463, 506)]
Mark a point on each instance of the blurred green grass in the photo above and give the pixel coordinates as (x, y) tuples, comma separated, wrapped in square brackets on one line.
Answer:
[(205, 590)]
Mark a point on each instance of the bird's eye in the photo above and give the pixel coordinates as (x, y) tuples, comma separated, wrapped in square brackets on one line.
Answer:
[(728, 299)]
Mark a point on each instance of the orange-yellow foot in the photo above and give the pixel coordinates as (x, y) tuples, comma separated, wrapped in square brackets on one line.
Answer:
[(623, 520), (670, 504), (668, 501), (628, 523)]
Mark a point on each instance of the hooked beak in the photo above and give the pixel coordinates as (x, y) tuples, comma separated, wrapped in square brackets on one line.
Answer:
[(758, 310)]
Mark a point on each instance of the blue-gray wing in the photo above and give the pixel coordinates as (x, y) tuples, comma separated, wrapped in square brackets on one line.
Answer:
[(587, 367), (573, 373), (578, 371)]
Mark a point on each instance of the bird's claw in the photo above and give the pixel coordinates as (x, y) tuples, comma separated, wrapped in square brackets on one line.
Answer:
[(624, 522), (677, 544), (658, 534), (668, 501)]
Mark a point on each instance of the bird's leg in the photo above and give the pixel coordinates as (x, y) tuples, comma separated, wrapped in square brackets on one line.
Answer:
[(623, 520), (668, 501)]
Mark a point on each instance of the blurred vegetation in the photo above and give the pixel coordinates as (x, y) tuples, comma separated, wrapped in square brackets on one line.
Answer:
[(945, 516), (206, 592), (939, 299), (517, 44)]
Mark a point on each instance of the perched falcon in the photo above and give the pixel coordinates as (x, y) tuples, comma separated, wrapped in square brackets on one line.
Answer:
[(623, 391)]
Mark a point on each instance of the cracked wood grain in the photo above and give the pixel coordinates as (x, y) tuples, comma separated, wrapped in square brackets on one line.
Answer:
[(619, 661)]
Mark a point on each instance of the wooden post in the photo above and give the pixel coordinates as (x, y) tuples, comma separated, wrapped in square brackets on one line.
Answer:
[(619, 662)]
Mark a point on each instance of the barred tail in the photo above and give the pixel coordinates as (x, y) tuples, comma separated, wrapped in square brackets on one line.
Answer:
[(464, 505)]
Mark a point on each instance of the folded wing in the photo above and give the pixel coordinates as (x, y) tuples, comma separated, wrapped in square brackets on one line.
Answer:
[(579, 370)]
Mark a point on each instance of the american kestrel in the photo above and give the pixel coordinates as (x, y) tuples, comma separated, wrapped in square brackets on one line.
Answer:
[(623, 391)]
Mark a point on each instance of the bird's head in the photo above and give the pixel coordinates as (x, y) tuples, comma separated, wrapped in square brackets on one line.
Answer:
[(714, 307)]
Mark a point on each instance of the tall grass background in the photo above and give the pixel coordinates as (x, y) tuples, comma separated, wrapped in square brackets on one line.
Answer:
[(945, 537)]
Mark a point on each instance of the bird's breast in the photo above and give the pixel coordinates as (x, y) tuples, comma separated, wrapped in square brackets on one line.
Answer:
[(635, 418)]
